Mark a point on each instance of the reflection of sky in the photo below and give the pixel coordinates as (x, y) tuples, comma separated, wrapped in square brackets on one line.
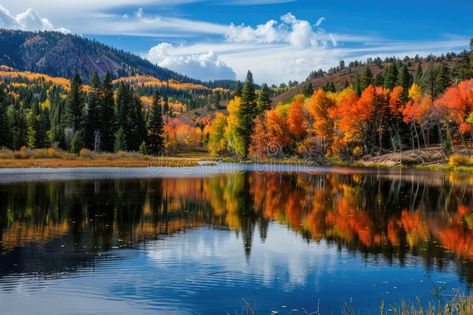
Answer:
[(205, 271)]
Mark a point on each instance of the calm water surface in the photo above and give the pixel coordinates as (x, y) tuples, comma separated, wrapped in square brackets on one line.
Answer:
[(203, 240)]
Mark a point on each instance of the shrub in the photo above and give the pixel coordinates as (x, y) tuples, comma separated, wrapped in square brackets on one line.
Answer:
[(87, 154), (459, 160)]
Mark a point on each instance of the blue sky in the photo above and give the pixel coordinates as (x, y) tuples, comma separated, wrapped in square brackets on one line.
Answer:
[(279, 40)]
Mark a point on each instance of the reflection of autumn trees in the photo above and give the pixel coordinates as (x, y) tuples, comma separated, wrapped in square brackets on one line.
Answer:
[(386, 215)]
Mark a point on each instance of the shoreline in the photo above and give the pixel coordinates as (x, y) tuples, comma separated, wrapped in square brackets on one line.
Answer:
[(177, 162)]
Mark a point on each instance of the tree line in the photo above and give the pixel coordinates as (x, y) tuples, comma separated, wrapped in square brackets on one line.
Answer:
[(394, 110), (100, 119)]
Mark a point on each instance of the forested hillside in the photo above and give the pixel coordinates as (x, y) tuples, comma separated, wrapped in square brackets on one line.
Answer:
[(63, 55), (40, 111), (381, 72)]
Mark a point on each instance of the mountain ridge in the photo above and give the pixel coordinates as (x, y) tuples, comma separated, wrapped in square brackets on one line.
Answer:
[(62, 55)]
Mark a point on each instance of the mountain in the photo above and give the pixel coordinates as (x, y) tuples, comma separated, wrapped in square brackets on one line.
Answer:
[(62, 55)]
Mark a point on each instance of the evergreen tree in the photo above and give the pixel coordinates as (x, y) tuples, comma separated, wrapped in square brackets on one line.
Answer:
[(107, 116), (56, 132), (357, 84), (428, 80), (92, 117), (138, 124), (18, 126), (379, 79), (75, 104), (120, 141), (155, 127), (366, 78), (122, 106), (404, 78), (166, 107), (308, 89), (247, 111), (42, 127), (390, 77), (238, 90), (442, 79), (5, 136), (78, 141), (264, 99), (418, 75)]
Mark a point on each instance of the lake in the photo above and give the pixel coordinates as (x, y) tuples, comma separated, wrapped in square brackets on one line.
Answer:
[(213, 239)]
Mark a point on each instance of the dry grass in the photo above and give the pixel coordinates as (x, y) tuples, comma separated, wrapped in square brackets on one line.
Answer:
[(57, 158)]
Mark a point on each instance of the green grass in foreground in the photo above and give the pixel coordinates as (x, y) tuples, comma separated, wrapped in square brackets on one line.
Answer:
[(456, 304)]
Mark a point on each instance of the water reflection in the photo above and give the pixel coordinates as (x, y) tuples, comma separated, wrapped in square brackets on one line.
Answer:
[(57, 228)]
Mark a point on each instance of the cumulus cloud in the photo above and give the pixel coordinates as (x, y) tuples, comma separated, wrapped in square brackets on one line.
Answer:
[(27, 21), (299, 34), (203, 66)]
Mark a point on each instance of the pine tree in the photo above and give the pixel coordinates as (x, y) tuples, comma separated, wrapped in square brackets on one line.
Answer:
[(137, 123), (5, 136), (357, 84), (166, 107), (78, 141), (122, 106), (75, 104), (308, 89), (18, 127), (107, 116), (418, 75), (155, 127), (404, 78), (247, 111), (42, 127), (92, 117), (120, 141), (366, 78), (264, 99), (442, 79), (428, 80), (390, 77), (379, 79), (238, 90)]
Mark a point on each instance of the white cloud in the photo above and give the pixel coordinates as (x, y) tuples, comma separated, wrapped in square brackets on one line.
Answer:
[(299, 34), (27, 21), (203, 66)]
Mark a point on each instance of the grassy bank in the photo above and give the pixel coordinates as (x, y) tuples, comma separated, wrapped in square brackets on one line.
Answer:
[(56, 158)]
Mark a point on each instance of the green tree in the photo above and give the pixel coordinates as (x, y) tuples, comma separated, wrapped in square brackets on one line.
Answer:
[(155, 127), (5, 136), (442, 79), (107, 115), (404, 78), (238, 90), (418, 75), (18, 126), (308, 89), (428, 80), (366, 78), (247, 112), (264, 99), (92, 117), (136, 119), (75, 104), (120, 141), (390, 77), (78, 141)]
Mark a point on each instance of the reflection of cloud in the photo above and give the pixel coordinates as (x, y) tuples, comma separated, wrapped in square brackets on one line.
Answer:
[(269, 261)]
